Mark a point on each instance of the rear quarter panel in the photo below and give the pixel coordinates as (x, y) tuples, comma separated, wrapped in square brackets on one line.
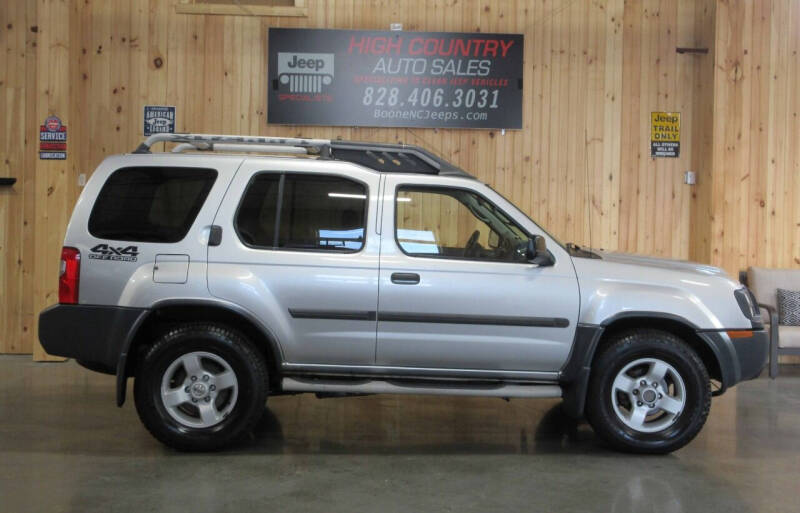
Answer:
[(130, 283)]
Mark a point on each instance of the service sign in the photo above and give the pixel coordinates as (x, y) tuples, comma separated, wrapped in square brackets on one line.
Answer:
[(52, 139), (398, 79), (665, 134)]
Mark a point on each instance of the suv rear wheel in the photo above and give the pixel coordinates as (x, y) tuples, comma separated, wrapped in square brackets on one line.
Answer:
[(649, 392), (200, 387)]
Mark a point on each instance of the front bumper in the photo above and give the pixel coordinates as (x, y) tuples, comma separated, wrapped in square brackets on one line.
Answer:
[(752, 354), (741, 358), (94, 335)]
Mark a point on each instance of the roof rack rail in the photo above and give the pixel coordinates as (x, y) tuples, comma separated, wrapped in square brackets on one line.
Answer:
[(388, 158)]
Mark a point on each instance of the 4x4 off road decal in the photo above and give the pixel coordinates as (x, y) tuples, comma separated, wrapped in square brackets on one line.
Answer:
[(120, 254)]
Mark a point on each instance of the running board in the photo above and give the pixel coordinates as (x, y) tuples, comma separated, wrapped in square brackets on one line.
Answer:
[(399, 387)]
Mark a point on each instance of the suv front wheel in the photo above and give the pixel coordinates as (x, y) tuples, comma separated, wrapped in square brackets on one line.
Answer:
[(200, 387), (649, 392)]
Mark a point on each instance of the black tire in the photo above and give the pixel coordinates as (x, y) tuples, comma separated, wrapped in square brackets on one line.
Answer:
[(628, 347), (239, 353)]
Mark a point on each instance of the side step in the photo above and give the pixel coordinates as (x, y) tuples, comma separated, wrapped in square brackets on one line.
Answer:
[(422, 388)]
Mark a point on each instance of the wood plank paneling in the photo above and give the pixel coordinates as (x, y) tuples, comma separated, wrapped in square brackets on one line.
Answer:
[(17, 85), (754, 204)]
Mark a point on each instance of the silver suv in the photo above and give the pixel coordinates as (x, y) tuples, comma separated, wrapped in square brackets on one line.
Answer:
[(216, 278)]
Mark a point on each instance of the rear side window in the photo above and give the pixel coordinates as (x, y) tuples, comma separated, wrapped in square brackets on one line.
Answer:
[(150, 204), (303, 212)]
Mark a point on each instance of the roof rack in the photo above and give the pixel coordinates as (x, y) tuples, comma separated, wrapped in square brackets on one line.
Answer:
[(387, 158)]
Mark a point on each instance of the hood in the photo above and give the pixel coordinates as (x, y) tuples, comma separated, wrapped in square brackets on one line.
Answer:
[(661, 263)]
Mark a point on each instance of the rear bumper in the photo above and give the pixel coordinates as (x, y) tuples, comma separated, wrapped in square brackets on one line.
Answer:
[(94, 335)]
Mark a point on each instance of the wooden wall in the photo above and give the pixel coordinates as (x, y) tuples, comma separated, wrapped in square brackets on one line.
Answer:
[(755, 201), (594, 70)]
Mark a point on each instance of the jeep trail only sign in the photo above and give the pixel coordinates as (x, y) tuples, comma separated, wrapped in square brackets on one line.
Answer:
[(399, 79), (665, 134)]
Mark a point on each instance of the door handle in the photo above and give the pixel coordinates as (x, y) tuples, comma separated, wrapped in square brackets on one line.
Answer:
[(405, 278), (215, 235)]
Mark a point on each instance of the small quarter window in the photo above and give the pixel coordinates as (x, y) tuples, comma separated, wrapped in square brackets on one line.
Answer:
[(303, 212), (150, 204), (255, 221)]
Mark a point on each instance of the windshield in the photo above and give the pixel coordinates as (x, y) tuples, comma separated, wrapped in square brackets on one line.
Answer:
[(555, 239)]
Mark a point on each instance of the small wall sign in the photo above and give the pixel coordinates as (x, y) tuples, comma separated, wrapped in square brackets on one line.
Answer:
[(52, 139), (665, 134), (159, 119)]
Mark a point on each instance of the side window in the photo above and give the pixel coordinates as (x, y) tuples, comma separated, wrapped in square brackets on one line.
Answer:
[(303, 212), (455, 223), (150, 204), (255, 221)]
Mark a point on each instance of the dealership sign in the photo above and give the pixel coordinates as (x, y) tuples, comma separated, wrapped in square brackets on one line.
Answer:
[(401, 79)]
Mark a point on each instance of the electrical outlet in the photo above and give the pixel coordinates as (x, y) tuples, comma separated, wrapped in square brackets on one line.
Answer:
[(81, 179), (689, 178)]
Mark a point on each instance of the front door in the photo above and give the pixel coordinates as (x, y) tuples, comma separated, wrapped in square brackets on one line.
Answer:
[(296, 252), (456, 290)]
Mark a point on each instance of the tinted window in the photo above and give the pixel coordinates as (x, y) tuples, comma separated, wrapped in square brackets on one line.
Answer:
[(255, 221), (313, 212), (455, 223), (150, 204)]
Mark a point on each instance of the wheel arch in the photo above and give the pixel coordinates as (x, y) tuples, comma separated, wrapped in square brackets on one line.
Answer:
[(715, 351), (182, 311)]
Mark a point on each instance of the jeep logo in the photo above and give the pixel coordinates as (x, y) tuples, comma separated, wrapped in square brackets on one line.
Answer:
[(315, 64), (119, 253), (305, 72)]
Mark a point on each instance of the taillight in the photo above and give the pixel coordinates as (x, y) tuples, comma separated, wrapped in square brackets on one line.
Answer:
[(70, 277)]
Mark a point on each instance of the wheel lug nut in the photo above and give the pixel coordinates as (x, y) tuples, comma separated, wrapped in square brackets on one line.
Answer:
[(205, 378), (194, 378), (638, 403), (655, 385), (208, 399), (635, 391), (212, 387), (194, 400), (186, 389), (660, 396), (643, 383)]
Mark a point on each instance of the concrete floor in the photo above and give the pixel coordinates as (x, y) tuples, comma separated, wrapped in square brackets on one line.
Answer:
[(64, 446)]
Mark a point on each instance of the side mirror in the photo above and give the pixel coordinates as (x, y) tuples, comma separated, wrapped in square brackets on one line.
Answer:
[(537, 252)]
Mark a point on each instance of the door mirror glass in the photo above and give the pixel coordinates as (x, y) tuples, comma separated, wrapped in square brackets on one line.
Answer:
[(538, 253)]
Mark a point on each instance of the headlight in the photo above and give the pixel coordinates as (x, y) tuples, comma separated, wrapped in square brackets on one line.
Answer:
[(747, 303)]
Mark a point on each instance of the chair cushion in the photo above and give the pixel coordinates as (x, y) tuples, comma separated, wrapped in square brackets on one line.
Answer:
[(789, 307), (788, 336), (765, 282)]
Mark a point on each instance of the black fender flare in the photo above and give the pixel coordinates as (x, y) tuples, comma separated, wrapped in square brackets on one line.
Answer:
[(574, 376), (147, 314)]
